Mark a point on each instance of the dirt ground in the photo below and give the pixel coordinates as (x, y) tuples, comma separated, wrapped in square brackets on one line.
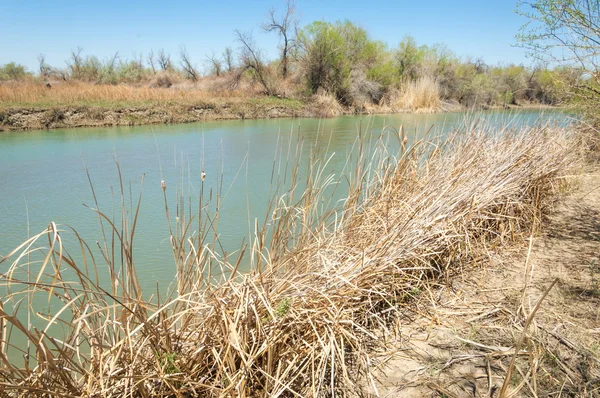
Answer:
[(460, 341), (87, 116)]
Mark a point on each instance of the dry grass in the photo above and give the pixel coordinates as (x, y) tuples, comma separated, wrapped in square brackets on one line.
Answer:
[(322, 290), (465, 338), (422, 95), (25, 106), (76, 93), (326, 105)]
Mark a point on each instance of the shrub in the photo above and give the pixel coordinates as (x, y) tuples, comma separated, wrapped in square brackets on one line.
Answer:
[(161, 81), (13, 71), (567, 33), (341, 59), (130, 72), (323, 57), (409, 58), (361, 91)]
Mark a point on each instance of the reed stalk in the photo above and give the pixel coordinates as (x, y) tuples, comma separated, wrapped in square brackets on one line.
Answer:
[(325, 283)]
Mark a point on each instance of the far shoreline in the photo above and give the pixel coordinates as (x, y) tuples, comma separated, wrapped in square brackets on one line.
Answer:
[(25, 118)]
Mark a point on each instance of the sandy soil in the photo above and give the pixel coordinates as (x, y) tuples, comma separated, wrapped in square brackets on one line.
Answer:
[(460, 341)]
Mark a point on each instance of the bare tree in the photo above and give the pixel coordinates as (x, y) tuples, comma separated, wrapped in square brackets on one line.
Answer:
[(111, 63), (186, 64), (285, 28), (566, 32), (215, 64), (228, 58), (62, 73), (151, 61), (44, 68), (138, 60), (164, 60), (75, 62), (251, 59)]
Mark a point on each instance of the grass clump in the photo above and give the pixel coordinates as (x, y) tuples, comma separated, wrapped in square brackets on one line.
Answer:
[(329, 282), (422, 95)]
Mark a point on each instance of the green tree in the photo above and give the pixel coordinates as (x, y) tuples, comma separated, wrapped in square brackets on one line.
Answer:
[(409, 58), (566, 32), (342, 59), (13, 71)]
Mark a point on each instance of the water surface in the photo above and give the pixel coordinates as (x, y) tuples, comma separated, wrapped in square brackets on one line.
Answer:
[(43, 178)]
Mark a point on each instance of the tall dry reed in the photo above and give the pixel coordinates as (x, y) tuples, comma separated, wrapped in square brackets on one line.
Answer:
[(422, 95), (76, 93), (322, 290)]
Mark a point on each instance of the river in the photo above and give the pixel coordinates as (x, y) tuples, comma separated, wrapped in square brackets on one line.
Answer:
[(43, 178)]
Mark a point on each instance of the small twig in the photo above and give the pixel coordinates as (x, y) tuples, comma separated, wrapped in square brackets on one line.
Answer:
[(570, 344), (486, 347), (511, 367), (489, 375), (527, 271), (485, 314)]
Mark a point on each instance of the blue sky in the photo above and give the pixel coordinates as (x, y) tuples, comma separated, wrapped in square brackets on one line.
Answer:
[(482, 28)]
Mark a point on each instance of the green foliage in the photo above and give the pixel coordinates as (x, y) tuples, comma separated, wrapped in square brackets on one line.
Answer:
[(111, 71), (563, 31), (550, 86), (341, 59), (383, 71), (324, 56), (409, 58), (167, 362), (567, 33), (330, 54), (130, 72), (13, 71), (283, 308), (514, 81), (483, 90)]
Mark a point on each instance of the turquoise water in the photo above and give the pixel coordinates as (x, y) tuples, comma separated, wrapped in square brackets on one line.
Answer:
[(43, 177)]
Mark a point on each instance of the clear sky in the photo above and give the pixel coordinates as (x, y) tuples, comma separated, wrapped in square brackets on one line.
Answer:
[(476, 28)]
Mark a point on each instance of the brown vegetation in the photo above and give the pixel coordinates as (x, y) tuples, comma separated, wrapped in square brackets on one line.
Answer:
[(324, 291), (421, 95), (76, 93), (462, 342), (73, 104)]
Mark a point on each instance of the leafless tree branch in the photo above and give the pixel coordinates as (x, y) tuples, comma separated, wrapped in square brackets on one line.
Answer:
[(151, 61), (215, 64), (188, 67), (251, 58), (286, 28), (228, 58), (164, 60)]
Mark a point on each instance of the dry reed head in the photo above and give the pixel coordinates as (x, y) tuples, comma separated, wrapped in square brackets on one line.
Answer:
[(321, 293)]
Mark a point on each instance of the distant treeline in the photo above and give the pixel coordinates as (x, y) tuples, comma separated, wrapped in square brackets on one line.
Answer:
[(339, 60)]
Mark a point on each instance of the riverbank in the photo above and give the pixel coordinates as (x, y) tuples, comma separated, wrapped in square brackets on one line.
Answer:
[(462, 343), (325, 293), (35, 107), (60, 117), (135, 114)]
